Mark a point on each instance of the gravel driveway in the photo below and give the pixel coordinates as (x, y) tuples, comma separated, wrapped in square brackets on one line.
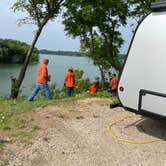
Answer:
[(77, 134)]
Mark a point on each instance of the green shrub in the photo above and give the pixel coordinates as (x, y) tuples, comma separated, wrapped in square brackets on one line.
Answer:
[(81, 84)]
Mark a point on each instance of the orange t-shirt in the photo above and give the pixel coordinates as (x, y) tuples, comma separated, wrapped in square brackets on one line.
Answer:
[(93, 88), (70, 79), (114, 83), (42, 76)]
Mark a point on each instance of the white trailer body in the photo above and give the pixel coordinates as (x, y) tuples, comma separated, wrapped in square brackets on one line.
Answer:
[(142, 83)]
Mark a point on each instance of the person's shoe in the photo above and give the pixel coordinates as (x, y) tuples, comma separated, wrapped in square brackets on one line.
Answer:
[(30, 99)]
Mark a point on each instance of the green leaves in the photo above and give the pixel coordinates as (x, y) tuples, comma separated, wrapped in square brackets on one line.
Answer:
[(140, 8), (19, 5), (102, 18), (13, 51), (38, 10)]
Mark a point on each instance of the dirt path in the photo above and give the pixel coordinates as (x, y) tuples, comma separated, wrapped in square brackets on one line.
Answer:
[(77, 134)]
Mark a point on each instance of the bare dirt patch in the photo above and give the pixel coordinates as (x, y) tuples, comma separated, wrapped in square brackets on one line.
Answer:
[(77, 134)]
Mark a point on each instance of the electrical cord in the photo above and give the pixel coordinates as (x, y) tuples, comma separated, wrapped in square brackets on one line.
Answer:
[(130, 140)]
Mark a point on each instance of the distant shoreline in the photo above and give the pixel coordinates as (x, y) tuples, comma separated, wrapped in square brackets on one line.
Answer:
[(61, 53), (71, 53)]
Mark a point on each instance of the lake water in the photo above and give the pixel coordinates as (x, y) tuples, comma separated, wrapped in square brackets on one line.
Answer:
[(57, 68)]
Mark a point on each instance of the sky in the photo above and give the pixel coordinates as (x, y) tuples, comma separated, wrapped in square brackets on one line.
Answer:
[(53, 36)]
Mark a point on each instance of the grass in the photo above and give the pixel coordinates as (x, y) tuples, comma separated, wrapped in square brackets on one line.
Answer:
[(12, 124)]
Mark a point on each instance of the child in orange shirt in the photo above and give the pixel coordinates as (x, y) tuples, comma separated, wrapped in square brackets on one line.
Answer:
[(93, 88)]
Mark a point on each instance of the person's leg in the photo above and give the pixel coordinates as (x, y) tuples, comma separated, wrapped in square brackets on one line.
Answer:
[(70, 91), (114, 92), (34, 92), (46, 90)]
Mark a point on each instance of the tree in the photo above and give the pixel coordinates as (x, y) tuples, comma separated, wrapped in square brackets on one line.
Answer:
[(81, 84), (102, 18), (100, 56), (13, 51), (39, 13), (84, 19), (140, 8)]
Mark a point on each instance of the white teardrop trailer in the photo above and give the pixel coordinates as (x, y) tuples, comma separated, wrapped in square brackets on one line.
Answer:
[(142, 83)]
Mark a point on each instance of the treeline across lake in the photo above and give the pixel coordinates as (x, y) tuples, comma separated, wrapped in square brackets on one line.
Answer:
[(59, 52), (14, 51), (71, 53)]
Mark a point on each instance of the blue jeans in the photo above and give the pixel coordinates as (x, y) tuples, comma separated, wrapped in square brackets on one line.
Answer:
[(44, 87), (70, 91)]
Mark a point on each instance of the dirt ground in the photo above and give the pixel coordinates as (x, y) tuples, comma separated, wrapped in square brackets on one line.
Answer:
[(78, 134)]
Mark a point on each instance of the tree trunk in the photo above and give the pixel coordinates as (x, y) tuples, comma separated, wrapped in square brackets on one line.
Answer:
[(14, 87), (102, 77), (16, 83)]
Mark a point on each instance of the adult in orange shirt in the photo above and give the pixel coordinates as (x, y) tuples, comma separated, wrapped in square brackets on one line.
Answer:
[(70, 81), (93, 88), (41, 81), (114, 83)]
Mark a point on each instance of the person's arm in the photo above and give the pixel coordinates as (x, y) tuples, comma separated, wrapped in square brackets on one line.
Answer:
[(74, 79), (65, 80), (112, 82)]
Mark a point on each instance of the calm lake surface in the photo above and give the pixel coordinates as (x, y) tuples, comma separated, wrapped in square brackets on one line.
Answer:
[(57, 68)]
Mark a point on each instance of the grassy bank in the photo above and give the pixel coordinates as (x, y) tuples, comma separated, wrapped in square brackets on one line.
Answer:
[(15, 127)]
